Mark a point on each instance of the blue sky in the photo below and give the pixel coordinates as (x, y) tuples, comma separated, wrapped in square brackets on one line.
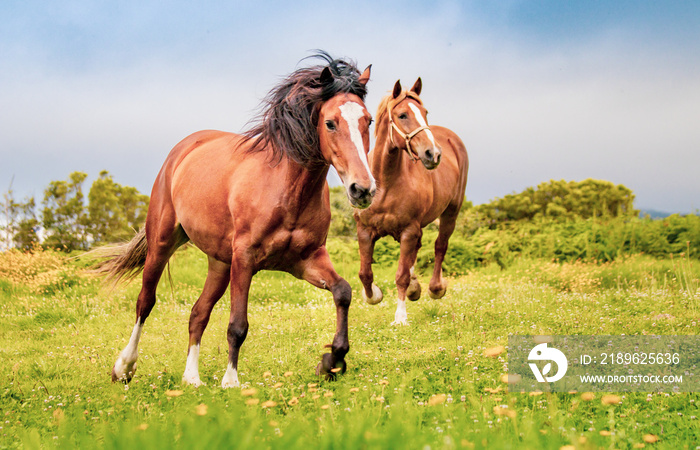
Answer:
[(537, 90)]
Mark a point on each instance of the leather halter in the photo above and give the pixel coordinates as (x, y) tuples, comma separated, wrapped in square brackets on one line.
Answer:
[(406, 136)]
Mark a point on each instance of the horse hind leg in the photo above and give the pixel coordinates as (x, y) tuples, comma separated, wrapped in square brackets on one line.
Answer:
[(125, 365), (438, 285), (159, 252), (214, 287)]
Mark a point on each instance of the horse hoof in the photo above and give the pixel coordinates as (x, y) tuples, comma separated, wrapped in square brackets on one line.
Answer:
[(195, 382), (413, 290), (437, 293), (329, 369), (123, 372), (377, 295)]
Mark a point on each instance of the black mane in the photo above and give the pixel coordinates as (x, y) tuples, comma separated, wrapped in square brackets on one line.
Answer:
[(286, 125)]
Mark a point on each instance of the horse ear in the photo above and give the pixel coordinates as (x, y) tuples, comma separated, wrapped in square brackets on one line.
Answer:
[(397, 89), (326, 76), (364, 78), (417, 86)]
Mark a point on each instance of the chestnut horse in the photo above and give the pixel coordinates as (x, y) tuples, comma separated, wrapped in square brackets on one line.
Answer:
[(257, 201), (409, 197)]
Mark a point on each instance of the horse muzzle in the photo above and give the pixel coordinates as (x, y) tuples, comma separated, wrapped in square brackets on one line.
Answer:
[(361, 196), (431, 158)]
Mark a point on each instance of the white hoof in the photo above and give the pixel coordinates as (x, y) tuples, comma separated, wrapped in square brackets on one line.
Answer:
[(230, 379), (377, 295), (191, 375), (125, 366), (123, 370), (400, 317), (230, 384), (192, 380)]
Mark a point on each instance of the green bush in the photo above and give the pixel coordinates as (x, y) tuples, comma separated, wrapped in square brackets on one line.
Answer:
[(591, 221)]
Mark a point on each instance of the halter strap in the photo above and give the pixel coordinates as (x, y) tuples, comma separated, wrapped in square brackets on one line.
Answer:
[(406, 136)]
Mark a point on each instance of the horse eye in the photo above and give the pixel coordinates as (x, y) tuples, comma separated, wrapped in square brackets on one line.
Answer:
[(330, 125), (403, 116)]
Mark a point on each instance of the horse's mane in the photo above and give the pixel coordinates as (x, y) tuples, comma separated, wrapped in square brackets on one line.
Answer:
[(384, 102), (286, 124)]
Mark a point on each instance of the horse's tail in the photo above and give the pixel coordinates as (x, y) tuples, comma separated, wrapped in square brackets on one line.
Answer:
[(122, 262)]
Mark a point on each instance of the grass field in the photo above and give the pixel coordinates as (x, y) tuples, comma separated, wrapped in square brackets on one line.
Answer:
[(428, 385)]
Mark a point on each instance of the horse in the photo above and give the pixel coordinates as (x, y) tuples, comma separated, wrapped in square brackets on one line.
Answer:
[(409, 197), (256, 201)]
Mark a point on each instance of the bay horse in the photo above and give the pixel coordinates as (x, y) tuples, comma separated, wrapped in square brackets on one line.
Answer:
[(409, 197), (257, 201)]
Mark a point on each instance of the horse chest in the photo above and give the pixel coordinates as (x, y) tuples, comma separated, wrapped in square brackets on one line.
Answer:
[(389, 224), (284, 248)]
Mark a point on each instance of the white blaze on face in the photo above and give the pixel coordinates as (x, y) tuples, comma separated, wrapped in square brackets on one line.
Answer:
[(352, 112), (422, 122)]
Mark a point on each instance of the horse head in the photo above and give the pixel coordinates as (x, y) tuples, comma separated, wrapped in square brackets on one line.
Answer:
[(343, 130), (408, 119)]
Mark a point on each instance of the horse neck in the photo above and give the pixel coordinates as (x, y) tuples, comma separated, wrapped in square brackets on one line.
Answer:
[(386, 159), (304, 184)]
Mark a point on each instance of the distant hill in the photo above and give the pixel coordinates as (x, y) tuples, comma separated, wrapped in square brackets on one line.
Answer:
[(654, 214)]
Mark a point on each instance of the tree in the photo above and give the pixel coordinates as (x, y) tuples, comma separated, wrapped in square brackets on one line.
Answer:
[(26, 237), (114, 211), (18, 222), (64, 216), (10, 217), (554, 200)]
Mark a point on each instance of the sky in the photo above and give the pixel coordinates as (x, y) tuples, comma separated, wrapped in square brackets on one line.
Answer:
[(537, 90)]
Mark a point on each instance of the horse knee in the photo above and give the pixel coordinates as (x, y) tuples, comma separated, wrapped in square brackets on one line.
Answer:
[(403, 279), (342, 294)]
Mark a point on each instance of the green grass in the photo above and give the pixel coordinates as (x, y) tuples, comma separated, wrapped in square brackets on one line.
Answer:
[(60, 335)]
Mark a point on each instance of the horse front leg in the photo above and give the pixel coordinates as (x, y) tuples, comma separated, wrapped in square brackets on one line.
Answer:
[(241, 276), (318, 270), (371, 293), (410, 243)]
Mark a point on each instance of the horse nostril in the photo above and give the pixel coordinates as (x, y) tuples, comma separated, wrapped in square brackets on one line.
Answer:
[(429, 154), (357, 191)]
